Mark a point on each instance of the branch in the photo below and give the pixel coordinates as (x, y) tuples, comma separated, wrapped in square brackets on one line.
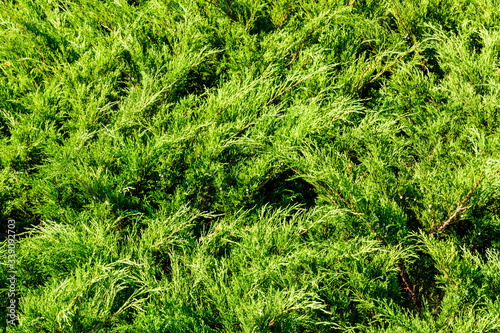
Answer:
[(385, 69), (449, 278), (331, 121), (337, 193), (271, 323), (407, 285), (166, 238), (361, 78), (460, 208)]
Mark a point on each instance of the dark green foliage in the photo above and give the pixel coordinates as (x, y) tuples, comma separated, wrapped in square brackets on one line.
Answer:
[(251, 166)]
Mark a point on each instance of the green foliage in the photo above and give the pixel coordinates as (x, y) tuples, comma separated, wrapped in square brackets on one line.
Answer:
[(251, 166)]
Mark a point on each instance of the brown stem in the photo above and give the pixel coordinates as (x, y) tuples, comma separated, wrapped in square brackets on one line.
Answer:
[(385, 69), (405, 280), (460, 208), (449, 278)]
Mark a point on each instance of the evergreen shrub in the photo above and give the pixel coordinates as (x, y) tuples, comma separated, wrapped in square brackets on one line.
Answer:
[(251, 166)]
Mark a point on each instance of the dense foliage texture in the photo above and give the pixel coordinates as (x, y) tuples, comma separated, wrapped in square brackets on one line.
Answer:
[(252, 165)]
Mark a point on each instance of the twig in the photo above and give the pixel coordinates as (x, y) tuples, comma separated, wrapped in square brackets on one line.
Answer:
[(331, 121), (271, 323), (338, 195), (166, 238), (361, 78), (244, 128), (342, 199), (407, 285), (460, 208), (385, 69), (352, 146), (363, 176), (449, 278), (284, 91)]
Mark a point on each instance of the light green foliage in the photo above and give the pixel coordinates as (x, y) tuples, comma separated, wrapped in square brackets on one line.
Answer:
[(251, 166)]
